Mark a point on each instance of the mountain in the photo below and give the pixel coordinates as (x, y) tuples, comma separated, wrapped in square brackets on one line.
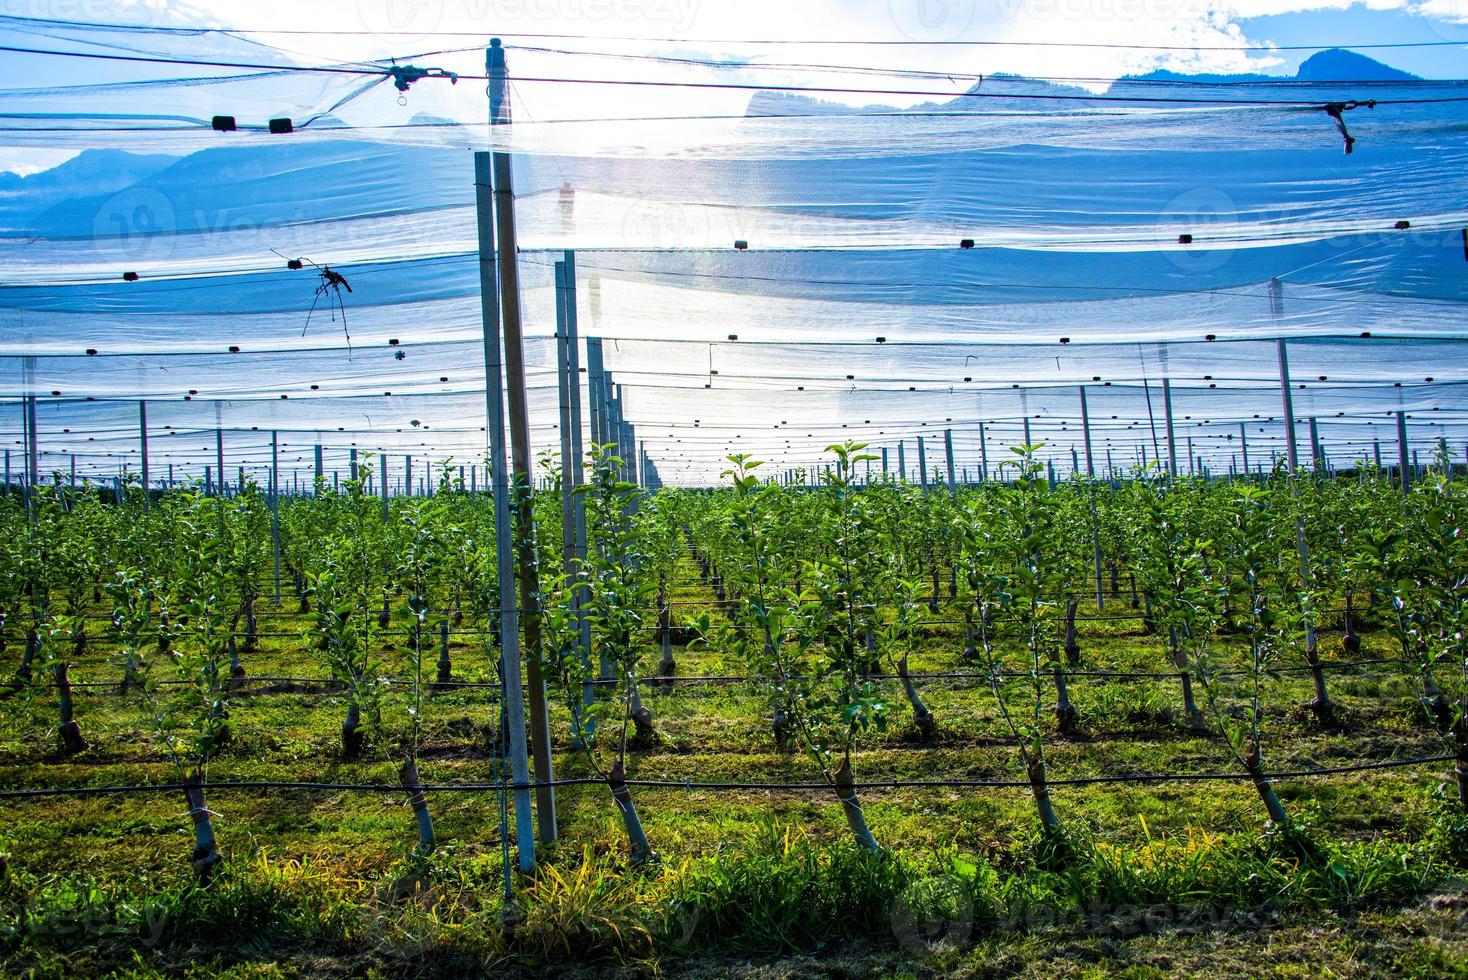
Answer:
[(1339, 65), (1333, 65), (89, 173)]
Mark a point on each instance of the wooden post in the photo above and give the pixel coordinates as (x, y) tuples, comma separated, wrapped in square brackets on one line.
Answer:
[(520, 452), (922, 463), (901, 462), (1244, 446), (495, 422), (983, 456)]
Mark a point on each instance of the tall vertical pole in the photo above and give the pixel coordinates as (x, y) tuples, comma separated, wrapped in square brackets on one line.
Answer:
[(495, 421), (1091, 485), (1292, 455), (1402, 464), (885, 468), (1317, 456), (901, 461), (320, 470), (922, 463), (407, 475), (1244, 446), (275, 508), (219, 457), (519, 419), (1086, 435), (1171, 436), (948, 454), (352, 464), (143, 447), (983, 456), (35, 450), (383, 485)]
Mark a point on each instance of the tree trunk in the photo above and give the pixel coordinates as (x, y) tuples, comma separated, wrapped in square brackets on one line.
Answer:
[(445, 665), (1065, 712), (642, 852), (1072, 646), (1322, 706), (855, 819), (252, 625), (70, 732), (206, 858), (352, 734), (970, 647), (1350, 642), (1263, 787), (236, 669), (1180, 661), (408, 776), (642, 720), (921, 716), (667, 666), (1040, 789)]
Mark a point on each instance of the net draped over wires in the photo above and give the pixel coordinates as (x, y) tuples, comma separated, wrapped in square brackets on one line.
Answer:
[(1156, 229)]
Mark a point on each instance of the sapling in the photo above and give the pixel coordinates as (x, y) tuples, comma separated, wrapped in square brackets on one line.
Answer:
[(1268, 623), (1020, 541), (815, 656), (343, 581)]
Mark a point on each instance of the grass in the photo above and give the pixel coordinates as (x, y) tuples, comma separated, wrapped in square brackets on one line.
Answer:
[(1159, 878)]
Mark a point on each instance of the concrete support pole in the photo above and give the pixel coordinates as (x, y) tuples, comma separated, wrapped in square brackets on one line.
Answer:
[(1287, 398), (143, 448), (1403, 466), (1171, 434), (219, 458), (510, 669), (948, 455), (275, 509)]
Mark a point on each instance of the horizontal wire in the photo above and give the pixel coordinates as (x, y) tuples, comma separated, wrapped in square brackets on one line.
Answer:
[(1314, 104), (772, 41), (246, 785)]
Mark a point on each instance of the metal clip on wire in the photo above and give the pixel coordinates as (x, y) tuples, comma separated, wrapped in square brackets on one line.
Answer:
[(1335, 110), (405, 75)]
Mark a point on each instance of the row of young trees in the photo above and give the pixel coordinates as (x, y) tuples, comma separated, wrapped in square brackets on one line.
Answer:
[(818, 589)]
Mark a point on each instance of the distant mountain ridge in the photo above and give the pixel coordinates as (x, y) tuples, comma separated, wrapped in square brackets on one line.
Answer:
[(1332, 65)]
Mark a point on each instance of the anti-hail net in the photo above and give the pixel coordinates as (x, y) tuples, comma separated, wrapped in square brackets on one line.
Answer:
[(1146, 242)]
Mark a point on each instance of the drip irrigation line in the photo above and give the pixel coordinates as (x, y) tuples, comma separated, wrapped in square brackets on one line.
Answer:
[(247, 785)]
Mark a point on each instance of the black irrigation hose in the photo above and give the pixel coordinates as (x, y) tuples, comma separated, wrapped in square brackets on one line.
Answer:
[(1159, 777)]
